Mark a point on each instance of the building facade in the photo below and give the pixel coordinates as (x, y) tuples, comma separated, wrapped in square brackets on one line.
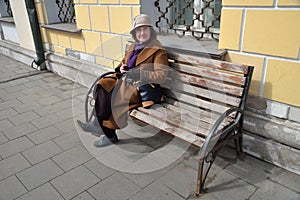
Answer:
[(84, 38)]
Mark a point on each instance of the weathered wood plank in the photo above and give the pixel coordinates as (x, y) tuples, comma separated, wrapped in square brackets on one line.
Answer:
[(178, 119), (197, 102), (162, 125), (196, 115), (210, 73), (183, 120), (201, 92), (191, 109), (222, 87), (208, 62)]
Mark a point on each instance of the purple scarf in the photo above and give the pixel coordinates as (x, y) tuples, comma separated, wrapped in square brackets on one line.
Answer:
[(134, 54)]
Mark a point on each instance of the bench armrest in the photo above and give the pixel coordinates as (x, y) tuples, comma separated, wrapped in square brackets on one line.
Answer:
[(212, 138)]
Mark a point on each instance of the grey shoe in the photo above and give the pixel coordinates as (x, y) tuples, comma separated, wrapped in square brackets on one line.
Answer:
[(105, 141), (91, 126)]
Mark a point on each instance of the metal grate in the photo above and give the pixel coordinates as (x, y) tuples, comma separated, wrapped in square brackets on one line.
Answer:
[(8, 8), (66, 13), (199, 18)]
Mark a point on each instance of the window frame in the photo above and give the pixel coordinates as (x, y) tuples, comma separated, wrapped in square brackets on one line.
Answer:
[(201, 18)]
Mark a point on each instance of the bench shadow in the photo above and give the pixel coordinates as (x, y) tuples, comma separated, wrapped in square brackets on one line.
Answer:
[(230, 172), (145, 144)]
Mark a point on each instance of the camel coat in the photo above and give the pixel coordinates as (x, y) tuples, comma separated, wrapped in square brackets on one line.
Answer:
[(153, 64)]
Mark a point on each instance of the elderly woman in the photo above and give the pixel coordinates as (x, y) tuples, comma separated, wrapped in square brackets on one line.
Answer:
[(135, 83)]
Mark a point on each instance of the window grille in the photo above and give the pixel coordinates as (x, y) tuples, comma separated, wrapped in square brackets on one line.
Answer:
[(199, 18), (8, 8), (66, 13)]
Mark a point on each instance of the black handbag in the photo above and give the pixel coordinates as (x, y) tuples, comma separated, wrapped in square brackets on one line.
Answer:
[(150, 93)]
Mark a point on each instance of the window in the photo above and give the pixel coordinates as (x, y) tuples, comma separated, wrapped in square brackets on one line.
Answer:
[(61, 16), (66, 12), (199, 18), (5, 9), (60, 11)]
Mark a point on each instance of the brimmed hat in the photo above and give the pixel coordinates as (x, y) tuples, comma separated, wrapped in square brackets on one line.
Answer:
[(140, 20)]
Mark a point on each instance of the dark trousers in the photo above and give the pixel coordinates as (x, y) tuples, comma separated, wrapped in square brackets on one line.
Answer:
[(103, 110), (110, 133)]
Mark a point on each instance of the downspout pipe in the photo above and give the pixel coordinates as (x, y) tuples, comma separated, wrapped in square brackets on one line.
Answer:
[(36, 34)]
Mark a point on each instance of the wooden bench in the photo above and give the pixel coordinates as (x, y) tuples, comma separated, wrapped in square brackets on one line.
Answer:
[(204, 105)]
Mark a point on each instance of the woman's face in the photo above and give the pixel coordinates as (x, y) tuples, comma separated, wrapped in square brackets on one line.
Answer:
[(142, 34)]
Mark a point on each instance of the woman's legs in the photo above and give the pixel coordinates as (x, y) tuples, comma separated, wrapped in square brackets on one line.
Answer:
[(109, 137), (110, 133)]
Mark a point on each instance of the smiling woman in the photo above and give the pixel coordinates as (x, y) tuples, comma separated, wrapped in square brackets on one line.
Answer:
[(135, 83), (142, 34)]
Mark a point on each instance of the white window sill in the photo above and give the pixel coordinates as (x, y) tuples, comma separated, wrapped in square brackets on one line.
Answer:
[(7, 19), (64, 27), (189, 45)]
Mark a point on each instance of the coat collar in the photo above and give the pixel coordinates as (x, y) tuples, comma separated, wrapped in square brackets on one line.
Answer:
[(147, 52)]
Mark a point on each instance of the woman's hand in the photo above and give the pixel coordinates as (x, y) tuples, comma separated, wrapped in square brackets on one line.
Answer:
[(123, 68)]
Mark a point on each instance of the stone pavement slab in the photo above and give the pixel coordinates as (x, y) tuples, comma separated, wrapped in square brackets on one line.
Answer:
[(12, 165), (39, 174), (68, 140), (83, 196), (15, 146), (3, 139), (41, 152), (75, 182), (11, 188), (114, 187), (44, 154), (72, 158), (20, 130), (99, 169), (45, 192), (157, 191), (269, 190)]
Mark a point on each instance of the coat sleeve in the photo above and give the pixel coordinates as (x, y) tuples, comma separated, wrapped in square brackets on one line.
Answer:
[(160, 69)]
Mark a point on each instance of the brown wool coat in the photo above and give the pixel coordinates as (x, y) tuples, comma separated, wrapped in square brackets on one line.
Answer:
[(153, 64)]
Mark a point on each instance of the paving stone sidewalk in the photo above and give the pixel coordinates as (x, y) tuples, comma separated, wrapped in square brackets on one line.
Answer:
[(45, 156)]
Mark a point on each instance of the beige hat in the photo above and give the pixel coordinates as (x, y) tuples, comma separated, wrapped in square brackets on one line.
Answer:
[(140, 20)]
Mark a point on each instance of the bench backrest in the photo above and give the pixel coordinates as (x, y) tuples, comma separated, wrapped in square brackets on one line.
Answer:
[(204, 88), (198, 91)]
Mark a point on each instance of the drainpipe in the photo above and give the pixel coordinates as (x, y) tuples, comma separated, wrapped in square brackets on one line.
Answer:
[(36, 33)]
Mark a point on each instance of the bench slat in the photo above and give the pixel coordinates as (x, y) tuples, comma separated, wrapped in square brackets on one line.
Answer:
[(184, 120), (201, 115), (211, 85), (222, 65), (177, 119), (198, 103), (210, 116), (210, 73), (168, 128), (209, 94)]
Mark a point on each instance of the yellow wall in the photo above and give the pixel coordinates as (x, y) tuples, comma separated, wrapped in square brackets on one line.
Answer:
[(266, 36), (272, 32), (288, 3), (104, 25), (282, 81), (247, 2), (231, 27)]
